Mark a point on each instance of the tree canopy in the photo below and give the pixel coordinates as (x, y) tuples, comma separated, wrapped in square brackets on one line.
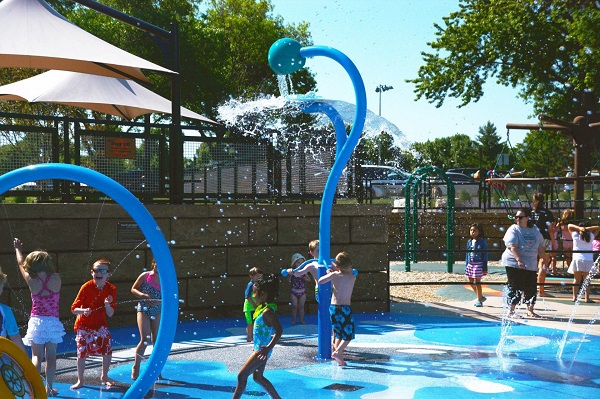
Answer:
[(223, 46), (447, 152), (547, 49), (490, 145)]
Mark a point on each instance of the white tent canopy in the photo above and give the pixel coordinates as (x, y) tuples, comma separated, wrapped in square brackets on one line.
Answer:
[(119, 97), (34, 35)]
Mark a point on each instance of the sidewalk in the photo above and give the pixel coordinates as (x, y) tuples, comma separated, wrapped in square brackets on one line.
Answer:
[(556, 307)]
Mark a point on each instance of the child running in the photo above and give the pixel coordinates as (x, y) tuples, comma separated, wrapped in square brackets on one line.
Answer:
[(267, 331), (476, 263), (342, 280), (44, 330), (95, 301)]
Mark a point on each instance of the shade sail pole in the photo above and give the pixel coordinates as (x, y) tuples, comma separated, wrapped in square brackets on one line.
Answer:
[(175, 139)]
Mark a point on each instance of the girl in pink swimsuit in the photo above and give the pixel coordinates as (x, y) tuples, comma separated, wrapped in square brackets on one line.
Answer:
[(147, 289), (44, 330), (298, 289)]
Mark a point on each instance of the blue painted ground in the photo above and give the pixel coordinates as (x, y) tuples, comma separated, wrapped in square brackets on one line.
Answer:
[(393, 356)]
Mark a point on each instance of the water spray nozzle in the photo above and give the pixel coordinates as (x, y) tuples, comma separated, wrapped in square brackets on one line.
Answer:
[(284, 56)]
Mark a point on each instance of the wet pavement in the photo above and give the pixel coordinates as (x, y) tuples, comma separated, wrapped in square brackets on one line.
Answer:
[(438, 350)]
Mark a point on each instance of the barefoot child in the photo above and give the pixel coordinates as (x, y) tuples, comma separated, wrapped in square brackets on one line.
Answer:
[(342, 280), (298, 290), (147, 289), (476, 261), (267, 331), (44, 330), (95, 301), (582, 263), (312, 267), (250, 302)]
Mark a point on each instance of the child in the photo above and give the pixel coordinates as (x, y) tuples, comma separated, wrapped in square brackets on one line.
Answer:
[(147, 288), (311, 268), (96, 300), (564, 235), (583, 236), (267, 331), (249, 302), (44, 330), (298, 291), (8, 323), (342, 280), (476, 263)]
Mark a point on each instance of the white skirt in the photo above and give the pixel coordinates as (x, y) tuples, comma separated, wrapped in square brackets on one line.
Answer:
[(580, 265), (44, 329)]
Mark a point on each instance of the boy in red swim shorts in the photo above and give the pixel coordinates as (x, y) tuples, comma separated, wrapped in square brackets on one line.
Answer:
[(96, 300)]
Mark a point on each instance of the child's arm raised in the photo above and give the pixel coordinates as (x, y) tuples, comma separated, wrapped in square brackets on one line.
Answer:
[(21, 259)]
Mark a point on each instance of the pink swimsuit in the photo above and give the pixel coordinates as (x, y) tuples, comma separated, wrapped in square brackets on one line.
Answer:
[(45, 305), (43, 325)]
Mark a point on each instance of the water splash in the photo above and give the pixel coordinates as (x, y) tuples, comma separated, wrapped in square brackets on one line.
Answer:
[(506, 325), (268, 113), (584, 286)]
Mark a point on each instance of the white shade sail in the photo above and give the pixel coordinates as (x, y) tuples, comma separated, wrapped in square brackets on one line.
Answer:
[(34, 35), (120, 97)]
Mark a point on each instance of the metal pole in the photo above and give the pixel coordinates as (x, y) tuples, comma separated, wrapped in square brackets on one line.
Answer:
[(176, 136), (175, 139)]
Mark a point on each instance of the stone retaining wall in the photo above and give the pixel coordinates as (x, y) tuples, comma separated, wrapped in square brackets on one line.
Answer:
[(212, 246)]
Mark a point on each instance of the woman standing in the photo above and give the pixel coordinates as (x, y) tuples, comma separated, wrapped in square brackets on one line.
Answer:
[(524, 243)]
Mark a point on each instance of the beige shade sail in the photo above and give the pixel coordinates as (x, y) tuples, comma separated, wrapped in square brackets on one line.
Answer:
[(34, 35), (120, 97)]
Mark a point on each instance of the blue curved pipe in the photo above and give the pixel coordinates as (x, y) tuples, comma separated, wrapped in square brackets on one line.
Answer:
[(287, 56), (148, 226), (317, 106)]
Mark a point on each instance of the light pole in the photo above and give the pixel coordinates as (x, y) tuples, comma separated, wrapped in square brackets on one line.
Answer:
[(380, 89)]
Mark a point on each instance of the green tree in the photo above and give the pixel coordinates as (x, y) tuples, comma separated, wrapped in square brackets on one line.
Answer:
[(223, 50), (544, 153), (381, 150), (548, 49), (490, 145), (447, 152)]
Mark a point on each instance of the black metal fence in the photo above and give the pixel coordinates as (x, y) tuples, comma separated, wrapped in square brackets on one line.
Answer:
[(219, 167), (216, 167)]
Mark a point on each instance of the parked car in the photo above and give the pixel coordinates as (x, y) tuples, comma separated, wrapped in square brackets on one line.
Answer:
[(383, 181), (461, 182), (469, 172)]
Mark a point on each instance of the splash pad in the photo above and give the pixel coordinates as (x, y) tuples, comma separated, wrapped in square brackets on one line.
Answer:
[(442, 356)]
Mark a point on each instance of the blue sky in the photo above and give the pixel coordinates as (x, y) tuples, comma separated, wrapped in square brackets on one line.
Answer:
[(384, 38)]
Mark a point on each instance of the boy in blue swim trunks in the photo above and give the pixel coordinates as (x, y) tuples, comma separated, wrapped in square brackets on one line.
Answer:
[(342, 321)]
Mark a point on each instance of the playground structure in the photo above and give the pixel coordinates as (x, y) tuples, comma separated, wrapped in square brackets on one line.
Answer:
[(581, 130)]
